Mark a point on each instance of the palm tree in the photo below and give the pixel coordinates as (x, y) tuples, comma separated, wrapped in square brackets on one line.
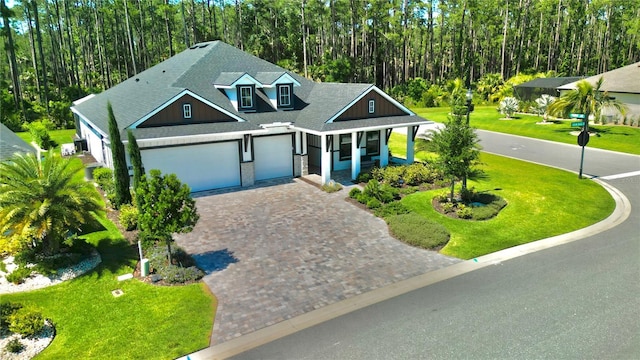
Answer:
[(586, 99), (42, 201)]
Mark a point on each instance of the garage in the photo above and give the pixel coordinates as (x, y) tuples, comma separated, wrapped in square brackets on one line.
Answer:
[(202, 167), (273, 156)]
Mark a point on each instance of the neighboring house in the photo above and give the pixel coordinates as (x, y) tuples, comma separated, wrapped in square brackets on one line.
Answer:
[(531, 90), (10, 144), (219, 117), (623, 84)]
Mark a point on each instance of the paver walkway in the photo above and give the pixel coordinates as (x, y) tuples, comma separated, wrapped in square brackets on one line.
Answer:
[(277, 251)]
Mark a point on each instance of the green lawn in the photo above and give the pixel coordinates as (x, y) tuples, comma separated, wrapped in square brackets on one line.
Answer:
[(542, 202), (611, 137), (58, 136), (147, 322)]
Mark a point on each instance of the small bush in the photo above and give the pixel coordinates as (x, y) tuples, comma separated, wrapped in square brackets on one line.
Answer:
[(363, 177), (184, 272), (373, 204), (417, 230), (443, 197), (468, 194), (18, 275), (104, 179), (354, 193), (26, 322), (363, 198), (128, 217), (14, 346), (331, 187), (391, 209), (39, 131), (6, 310), (448, 207), (409, 190), (464, 212), (490, 210), (383, 192), (419, 173)]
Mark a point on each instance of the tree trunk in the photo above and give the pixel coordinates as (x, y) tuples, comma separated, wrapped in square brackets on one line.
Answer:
[(11, 53), (129, 38)]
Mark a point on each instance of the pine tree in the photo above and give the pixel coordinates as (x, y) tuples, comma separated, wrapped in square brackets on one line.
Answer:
[(120, 170), (136, 159)]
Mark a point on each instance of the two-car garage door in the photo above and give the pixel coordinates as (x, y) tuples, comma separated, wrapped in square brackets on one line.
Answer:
[(202, 167)]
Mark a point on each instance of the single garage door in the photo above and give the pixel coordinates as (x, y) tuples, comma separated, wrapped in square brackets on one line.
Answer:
[(273, 156), (202, 167)]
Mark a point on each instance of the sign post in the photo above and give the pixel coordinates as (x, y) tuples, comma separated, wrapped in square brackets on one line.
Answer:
[(583, 137)]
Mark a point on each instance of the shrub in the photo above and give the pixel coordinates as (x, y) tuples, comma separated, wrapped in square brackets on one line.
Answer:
[(468, 194), (443, 196), (187, 271), (509, 106), (419, 173), (128, 217), (383, 192), (18, 275), (409, 190), (26, 322), (448, 207), (39, 131), (490, 210), (417, 230), (463, 212), (14, 346), (391, 209), (331, 187), (104, 179), (373, 204), (354, 193), (6, 310), (363, 177), (363, 198)]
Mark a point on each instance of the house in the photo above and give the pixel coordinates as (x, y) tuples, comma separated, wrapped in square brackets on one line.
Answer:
[(531, 90), (10, 144), (623, 84), (219, 117)]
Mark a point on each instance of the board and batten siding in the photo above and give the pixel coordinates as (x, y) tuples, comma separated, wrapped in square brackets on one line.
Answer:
[(360, 110), (173, 114)]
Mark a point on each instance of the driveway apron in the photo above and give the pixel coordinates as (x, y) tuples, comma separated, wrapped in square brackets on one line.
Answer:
[(275, 252)]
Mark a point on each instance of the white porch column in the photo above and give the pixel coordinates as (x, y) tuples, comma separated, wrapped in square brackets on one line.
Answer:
[(410, 144), (384, 148), (325, 159), (355, 155)]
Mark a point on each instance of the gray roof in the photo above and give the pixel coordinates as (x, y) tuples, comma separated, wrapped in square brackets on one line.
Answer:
[(549, 83), (10, 143), (622, 80), (197, 69), (395, 121)]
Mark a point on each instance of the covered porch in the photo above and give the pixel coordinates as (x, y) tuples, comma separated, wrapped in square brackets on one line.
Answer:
[(342, 154)]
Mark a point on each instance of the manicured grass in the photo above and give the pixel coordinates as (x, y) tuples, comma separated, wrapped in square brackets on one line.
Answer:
[(59, 137), (611, 137), (147, 322), (542, 202)]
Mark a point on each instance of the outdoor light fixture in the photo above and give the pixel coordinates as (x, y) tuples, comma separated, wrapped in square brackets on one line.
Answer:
[(469, 104)]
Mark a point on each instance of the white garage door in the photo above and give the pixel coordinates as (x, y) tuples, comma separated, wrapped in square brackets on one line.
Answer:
[(273, 156), (202, 167)]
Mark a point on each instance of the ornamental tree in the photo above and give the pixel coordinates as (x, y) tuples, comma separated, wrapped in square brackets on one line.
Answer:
[(166, 207), (120, 170), (136, 158)]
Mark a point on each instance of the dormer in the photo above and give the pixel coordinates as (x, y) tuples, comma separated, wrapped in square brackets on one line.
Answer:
[(278, 86), (240, 88)]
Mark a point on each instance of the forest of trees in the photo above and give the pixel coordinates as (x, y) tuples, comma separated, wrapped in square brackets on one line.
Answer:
[(57, 51)]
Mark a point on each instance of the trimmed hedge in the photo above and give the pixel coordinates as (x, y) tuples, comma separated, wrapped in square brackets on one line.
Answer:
[(418, 231)]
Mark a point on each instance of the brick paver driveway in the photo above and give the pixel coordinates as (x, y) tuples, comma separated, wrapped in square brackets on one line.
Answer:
[(275, 252)]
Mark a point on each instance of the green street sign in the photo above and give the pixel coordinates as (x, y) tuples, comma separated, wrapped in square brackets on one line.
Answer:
[(577, 124), (576, 116)]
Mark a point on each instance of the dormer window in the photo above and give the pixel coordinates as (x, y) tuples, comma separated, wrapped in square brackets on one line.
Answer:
[(186, 111), (372, 106), (284, 96), (246, 97)]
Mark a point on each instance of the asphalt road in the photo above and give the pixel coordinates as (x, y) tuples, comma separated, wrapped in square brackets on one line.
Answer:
[(577, 300)]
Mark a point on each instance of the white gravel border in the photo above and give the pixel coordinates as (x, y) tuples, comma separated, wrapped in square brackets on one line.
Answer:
[(32, 346), (37, 281)]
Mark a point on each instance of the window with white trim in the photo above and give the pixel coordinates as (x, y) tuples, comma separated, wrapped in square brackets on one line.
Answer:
[(284, 95), (372, 106), (345, 146), (245, 97), (186, 111)]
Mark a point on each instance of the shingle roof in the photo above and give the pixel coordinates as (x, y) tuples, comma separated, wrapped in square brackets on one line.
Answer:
[(549, 83), (197, 69), (10, 143), (623, 80)]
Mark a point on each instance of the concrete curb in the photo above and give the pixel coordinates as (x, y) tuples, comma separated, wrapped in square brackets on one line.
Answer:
[(288, 327)]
